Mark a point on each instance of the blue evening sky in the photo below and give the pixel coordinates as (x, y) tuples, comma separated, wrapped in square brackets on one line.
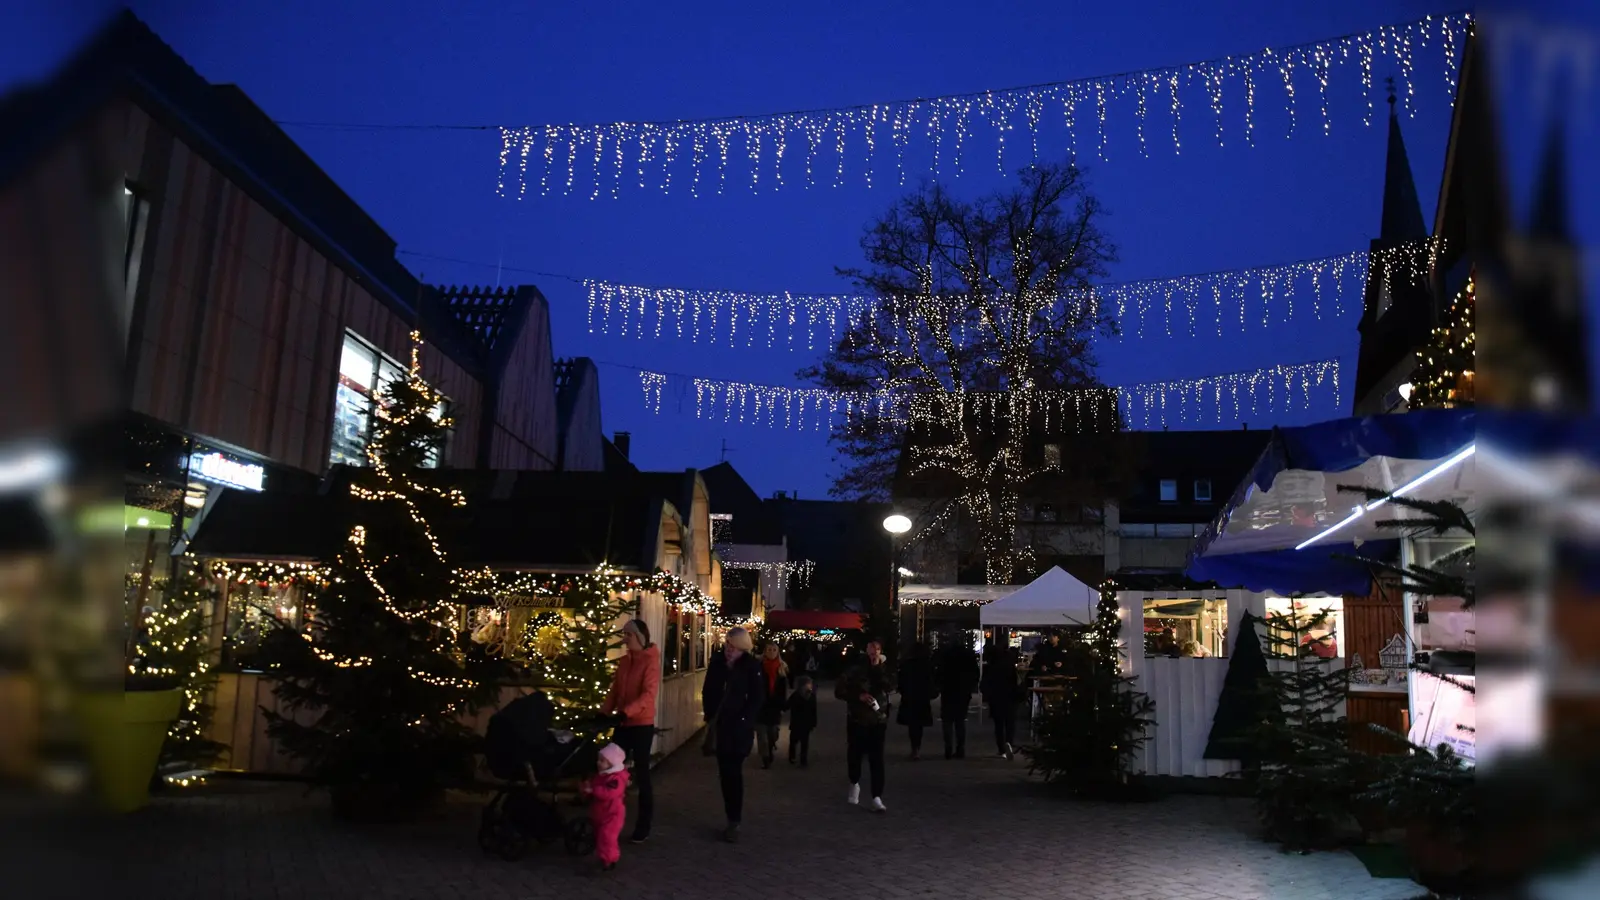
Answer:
[(411, 61)]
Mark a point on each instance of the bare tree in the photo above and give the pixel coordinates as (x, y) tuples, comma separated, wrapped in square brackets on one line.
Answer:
[(986, 319)]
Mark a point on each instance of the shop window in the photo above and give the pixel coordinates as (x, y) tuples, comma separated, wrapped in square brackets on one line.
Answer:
[(1175, 530), (669, 655), (1052, 456), (253, 611), (1169, 490), (1185, 627), (1046, 513), (702, 643), (1326, 637), (1202, 490), (686, 638), (364, 376)]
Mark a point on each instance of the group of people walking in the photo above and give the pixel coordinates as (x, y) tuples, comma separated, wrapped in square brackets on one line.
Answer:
[(746, 695)]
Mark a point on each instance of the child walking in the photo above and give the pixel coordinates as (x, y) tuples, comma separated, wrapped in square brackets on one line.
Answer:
[(802, 719), (606, 807)]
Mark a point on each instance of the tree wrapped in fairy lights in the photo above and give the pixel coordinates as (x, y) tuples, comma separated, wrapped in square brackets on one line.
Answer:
[(1088, 738), (376, 691), (172, 649), (985, 311), (1446, 364)]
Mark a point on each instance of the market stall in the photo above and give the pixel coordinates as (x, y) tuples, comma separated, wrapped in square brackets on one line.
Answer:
[(1298, 523)]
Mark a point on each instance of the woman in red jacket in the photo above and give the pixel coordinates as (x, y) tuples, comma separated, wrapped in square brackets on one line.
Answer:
[(633, 697)]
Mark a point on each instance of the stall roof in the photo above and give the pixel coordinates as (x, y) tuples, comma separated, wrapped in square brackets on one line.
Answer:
[(1289, 527), (1054, 598), (956, 593)]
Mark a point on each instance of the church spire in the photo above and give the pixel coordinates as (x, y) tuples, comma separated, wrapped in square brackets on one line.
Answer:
[(1402, 211), (1548, 218)]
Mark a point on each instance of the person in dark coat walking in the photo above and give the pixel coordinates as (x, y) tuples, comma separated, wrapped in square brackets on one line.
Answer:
[(775, 680), (955, 677), (916, 696), (1002, 692), (731, 700), (802, 719), (866, 688)]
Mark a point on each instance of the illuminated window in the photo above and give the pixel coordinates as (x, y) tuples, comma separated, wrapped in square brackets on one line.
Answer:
[(1052, 456), (1169, 490), (1320, 621), (364, 375), (1202, 490)]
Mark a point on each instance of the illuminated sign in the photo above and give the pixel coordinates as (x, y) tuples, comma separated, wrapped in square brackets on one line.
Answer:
[(218, 469)]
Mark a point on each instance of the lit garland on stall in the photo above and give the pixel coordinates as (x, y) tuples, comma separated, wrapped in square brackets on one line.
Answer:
[(1185, 303), (274, 574), (649, 154), (1447, 364), (1274, 388)]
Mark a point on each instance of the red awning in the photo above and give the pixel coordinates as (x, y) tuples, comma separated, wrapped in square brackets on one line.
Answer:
[(811, 620)]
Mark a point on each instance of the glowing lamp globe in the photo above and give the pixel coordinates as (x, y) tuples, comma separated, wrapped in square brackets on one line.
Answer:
[(897, 524)]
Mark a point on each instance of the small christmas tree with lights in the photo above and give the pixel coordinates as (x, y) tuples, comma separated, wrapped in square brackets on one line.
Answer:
[(376, 690), (173, 648), (1087, 739), (569, 655), (1445, 366)]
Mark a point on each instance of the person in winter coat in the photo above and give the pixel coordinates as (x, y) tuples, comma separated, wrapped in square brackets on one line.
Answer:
[(802, 719), (955, 677), (775, 679), (1002, 692), (917, 691), (606, 807), (866, 687), (731, 699), (633, 697)]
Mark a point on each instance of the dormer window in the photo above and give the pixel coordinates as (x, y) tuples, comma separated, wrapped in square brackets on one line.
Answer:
[(1169, 490), (1202, 490)]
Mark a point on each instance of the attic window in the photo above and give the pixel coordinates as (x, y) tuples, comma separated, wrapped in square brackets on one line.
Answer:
[(1169, 490), (1202, 490)]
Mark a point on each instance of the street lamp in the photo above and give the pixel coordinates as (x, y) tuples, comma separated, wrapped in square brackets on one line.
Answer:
[(896, 525)]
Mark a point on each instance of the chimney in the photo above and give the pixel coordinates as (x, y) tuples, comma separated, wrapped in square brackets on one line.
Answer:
[(1246, 425), (622, 439), (780, 495)]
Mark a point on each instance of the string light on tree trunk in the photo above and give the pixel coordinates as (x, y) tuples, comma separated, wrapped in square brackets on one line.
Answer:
[(1207, 399), (946, 125)]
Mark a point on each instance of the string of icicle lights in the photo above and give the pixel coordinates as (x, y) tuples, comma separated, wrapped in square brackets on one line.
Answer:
[(778, 571), (696, 153), (1208, 399), (1187, 304)]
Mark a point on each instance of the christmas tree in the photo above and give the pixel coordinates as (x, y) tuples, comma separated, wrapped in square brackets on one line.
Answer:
[(568, 654), (375, 691), (1087, 739), (1242, 704), (1306, 768), (1445, 365), (173, 650)]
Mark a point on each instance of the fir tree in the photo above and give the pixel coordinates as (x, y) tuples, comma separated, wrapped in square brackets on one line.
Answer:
[(1305, 770), (1445, 365), (375, 691), (173, 650), (1087, 739), (575, 668)]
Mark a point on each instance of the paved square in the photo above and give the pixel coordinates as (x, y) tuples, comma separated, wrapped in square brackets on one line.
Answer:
[(976, 828)]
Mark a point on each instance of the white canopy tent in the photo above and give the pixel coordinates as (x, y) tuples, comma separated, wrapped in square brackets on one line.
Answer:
[(1054, 598)]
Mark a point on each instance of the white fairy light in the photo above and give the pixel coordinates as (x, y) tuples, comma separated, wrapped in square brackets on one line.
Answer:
[(1143, 307), (1145, 405), (945, 124)]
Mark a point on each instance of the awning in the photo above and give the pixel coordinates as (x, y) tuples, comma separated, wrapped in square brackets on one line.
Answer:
[(1289, 527), (811, 620), (1054, 598)]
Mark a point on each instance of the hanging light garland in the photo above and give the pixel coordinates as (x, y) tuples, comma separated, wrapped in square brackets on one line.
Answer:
[(1274, 388), (510, 589), (696, 152), (1226, 300), (798, 569)]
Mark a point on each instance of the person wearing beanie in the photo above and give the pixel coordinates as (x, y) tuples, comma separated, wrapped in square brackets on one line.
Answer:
[(732, 698), (606, 807), (633, 697)]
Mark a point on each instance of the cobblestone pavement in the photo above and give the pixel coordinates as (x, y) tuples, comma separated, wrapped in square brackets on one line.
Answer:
[(975, 828)]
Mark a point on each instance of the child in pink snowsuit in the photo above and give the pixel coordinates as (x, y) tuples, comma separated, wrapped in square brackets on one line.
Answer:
[(606, 807)]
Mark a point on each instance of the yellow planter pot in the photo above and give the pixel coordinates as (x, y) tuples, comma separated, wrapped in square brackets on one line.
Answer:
[(124, 733)]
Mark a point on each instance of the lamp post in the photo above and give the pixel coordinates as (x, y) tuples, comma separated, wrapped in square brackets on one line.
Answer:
[(896, 524)]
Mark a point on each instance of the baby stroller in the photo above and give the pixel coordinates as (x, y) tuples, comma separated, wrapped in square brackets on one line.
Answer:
[(531, 757)]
